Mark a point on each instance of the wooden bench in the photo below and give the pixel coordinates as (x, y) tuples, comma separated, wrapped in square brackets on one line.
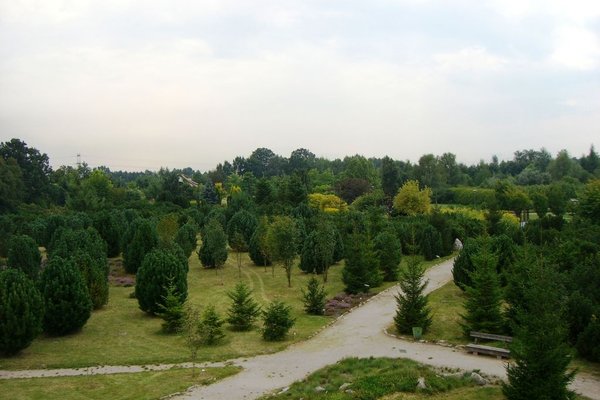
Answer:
[(490, 336), (492, 351)]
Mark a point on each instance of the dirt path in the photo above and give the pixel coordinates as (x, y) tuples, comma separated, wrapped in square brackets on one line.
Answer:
[(359, 333)]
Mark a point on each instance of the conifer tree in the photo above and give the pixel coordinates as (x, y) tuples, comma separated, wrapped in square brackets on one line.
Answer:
[(144, 240), (23, 254), (210, 328), (213, 252), (258, 247), (21, 311), (412, 310), (277, 321), (243, 310), (67, 301), (314, 297), (172, 311), (539, 350), (484, 296), (361, 271), (389, 252)]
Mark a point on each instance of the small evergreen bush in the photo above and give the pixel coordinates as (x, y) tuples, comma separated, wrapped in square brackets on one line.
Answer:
[(172, 311), (243, 310), (277, 321), (210, 328), (314, 297), (412, 308)]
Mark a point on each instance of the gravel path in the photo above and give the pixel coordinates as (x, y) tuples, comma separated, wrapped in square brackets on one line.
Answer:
[(359, 333)]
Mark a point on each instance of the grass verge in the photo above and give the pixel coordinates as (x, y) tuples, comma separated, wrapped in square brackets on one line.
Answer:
[(136, 386), (375, 378)]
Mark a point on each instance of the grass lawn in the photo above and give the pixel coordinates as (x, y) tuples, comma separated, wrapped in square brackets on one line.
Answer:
[(121, 334), (143, 385), (381, 378)]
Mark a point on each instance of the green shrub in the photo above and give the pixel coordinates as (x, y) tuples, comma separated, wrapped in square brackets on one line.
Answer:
[(21, 311), (144, 240), (314, 297), (24, 254), (243, 310), (277, 321), (210, 328), (67, 300), (186, 238), (361, 271), (588, 341), (213, 252), (172, 311), (159, 269), (389, 253)]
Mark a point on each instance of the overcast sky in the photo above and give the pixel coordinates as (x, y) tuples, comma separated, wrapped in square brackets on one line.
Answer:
[(144, 84)]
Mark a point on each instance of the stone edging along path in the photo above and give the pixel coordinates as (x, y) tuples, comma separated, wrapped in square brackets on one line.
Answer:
[(359, 333)]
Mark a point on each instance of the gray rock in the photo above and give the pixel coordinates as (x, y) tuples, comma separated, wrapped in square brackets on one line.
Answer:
[(285, 389), (478, 379), (421, 383), (345, 386), (349, 391), (319, 389)]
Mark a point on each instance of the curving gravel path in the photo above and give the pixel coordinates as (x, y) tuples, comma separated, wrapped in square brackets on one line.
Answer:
[(359, 333)]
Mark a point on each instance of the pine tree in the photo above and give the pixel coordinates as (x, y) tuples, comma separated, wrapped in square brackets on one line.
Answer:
[(23, 254), (172, 311), (67, 300), (314, 297), (210, 327), (186, 238), (243, 310), (412, 308), (540, 351), (159, 269), (484, 297), (361, 271), (21, 311), (277, 321), (213, 252), (144, 240), (258, 247)]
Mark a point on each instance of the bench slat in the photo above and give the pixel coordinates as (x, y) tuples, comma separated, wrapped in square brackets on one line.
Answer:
[(491, 336), (493, 351)]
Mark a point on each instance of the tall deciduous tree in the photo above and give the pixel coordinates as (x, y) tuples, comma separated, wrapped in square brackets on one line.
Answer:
[(35, 167), (282, 239), (412, 310)]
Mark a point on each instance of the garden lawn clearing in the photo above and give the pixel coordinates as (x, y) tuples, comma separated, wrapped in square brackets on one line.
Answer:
[(121, 334)]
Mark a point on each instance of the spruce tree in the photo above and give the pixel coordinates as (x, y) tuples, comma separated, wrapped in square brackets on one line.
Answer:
[(539, 350), (484, 296), (67, 301), (171, 310), (23, 254), (258, 246), (361, 271), (412, 310), (21, 311), (159, 269), (314, 297), (277, 321), (389, 253), (243, 310), (186, 238), (210, 328)]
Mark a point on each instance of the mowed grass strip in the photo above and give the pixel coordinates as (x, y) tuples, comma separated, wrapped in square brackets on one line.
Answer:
[(136, 386)]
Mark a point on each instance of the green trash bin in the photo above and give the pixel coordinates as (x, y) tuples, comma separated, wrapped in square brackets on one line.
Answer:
[(417, 332)]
